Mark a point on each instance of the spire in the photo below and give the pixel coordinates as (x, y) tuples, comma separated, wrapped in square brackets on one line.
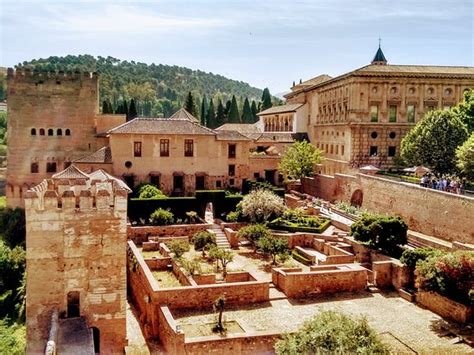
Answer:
[(379, 58)]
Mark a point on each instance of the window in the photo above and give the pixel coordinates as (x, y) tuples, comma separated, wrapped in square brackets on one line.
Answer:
[(256, 175), (51, 167), (430, 108), (332, 149), (33, 131), (373, 150), (337, 149), (128, 164), (218, 184), (411, 113), (50, 132), (68, 132), (448, 92), (392, 135), (392, 117), (232, 150), (188, 148), (73, 304), (137, 149), (59, 132), (155, 180), (34, 169), (374, 113), (374, 135), (67, 164), (231, 170), (392, 151), (231, 182), (164, 147), (200, 182), (41, 131), (342, 150)]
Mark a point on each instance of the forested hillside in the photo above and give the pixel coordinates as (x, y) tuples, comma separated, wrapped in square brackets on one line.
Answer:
[(156, 89)]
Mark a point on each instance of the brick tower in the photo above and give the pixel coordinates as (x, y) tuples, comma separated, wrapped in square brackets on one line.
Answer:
[(76, 260)]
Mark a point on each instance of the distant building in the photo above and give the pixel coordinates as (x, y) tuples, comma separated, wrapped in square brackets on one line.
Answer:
[(360, 117)]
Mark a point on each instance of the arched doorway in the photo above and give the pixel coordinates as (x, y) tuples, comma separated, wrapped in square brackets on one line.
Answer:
[(96, 338), (357, 198), (73, 304)]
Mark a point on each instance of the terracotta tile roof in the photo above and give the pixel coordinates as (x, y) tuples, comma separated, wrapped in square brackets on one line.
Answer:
[(276, 137), (239, 127), (161, 126), (313, 81), (103, 155), (182, 114), (280, 109), (71, 173), (231, 136)]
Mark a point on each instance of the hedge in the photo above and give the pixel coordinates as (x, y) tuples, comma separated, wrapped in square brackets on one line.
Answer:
[(277, 225), (143, 208), (300, 258)]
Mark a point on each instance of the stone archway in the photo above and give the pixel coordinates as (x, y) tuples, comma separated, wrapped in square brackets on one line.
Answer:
[(357, 198)]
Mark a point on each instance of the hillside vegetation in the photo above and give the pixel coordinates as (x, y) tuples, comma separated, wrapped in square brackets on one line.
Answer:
[(156, 89)]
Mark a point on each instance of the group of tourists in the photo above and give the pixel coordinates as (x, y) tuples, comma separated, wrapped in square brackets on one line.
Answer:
[(448, 184)]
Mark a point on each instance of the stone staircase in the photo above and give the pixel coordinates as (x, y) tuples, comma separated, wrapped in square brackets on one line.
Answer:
[(221, 239)]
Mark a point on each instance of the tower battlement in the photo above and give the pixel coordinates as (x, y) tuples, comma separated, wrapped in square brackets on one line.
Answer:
[(29, 75)]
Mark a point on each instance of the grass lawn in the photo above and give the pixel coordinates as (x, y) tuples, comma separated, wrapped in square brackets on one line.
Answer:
[(166, 279), (151, 254), (3, 201)]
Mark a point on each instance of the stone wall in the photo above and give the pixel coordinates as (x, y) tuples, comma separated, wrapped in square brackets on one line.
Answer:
[(141, 234), (296, 283), (440, 214), (445, 307)]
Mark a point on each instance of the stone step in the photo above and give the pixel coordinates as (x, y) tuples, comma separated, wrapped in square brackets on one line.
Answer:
[(276, 294)]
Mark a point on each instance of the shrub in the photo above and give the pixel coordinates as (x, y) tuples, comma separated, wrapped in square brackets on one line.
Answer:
[(178, 247), (225, 256), (261, 205), (348, 208), (12, 338), (192, 217), (411, 257), (450, 274), (384, 233), (253, 233), (300, 258), (334, 333), (273, 246), (12, 226), (145, 190), (307, 224), (192, 267), (161, 217), (203, 240), (233, 216)]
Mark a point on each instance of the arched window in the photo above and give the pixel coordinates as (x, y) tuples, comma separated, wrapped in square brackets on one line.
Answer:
[(41, 131), (33, 131), (59, 132), (68, 132), (50, 132)]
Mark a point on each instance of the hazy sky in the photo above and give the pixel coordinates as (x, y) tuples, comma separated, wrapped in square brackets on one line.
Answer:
[(265, 43)]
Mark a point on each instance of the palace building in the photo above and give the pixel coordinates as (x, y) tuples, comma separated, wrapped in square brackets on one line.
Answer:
[(360, 117)]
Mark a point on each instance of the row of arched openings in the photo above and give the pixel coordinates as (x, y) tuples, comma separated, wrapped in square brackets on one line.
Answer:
[(50, 132)]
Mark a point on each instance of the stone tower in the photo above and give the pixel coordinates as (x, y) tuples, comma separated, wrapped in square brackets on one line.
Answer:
[(76, 259), (51, 121)]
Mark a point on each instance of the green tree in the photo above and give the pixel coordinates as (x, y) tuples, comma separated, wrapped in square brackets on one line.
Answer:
[(211, 116), (150, 191), (233, 116), (161, 217), (12, 226), (465, 110), (254, 111), (433, 141), (225, 256), (105, 107), (178, 247), (203, 240), (190, 104), (253, 233), (132, 111), (261, 205), (220, 114), (273, 246), (384, 233), (299, 159), (204, 111), (12, 338), (266, 99), (332, 332), (247, 115), (465, 158)]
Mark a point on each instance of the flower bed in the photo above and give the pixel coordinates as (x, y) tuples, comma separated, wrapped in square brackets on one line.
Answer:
[(281, 224), (445, 307)]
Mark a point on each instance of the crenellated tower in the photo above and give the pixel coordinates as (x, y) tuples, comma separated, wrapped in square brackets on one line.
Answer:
[(76, 258), (51, 121)]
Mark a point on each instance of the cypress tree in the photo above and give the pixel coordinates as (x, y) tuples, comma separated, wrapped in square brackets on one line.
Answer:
[(132, 111), (125, 108), (266, 99), (190, 105), (110, 109), (228, 104), (254, 111), (247, 115), (220, 114), (105, 107), (204, 110), (211, 116), (234, 116)]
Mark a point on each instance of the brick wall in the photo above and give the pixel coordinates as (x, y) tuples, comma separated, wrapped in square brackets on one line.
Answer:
[(141, 234)]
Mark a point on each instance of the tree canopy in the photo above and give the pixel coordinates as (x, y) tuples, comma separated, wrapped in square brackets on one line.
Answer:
[(233, 115), (266, 99), (299, 159), (465, 158), (465, 110), (433, 141)]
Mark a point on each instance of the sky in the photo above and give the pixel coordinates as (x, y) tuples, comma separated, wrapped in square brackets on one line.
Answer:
[(265, 43)]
